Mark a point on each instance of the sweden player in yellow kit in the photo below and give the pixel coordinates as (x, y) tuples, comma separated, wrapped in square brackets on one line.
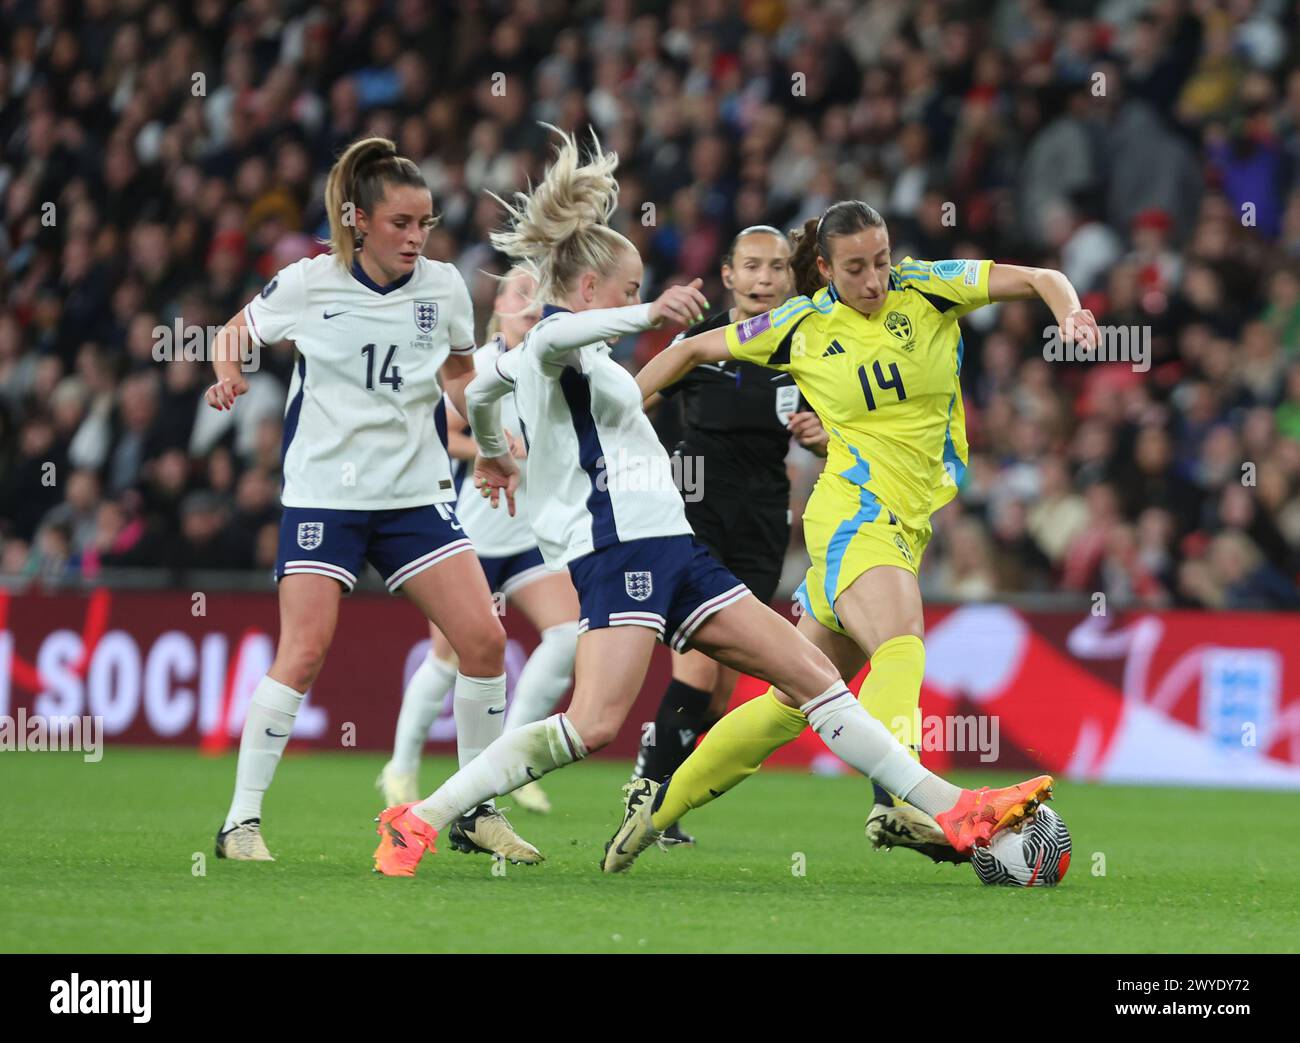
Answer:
[(877, 353)]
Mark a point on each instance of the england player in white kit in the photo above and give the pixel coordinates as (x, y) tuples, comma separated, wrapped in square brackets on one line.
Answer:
[(379, 332), (599, 504), (516, 574)]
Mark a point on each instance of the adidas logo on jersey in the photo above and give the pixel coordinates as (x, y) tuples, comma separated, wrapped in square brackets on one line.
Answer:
[(835, 349)]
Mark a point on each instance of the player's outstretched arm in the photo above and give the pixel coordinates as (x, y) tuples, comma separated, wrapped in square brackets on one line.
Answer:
[(553, 337), (676, 360), (1013, 282), (226, 357)]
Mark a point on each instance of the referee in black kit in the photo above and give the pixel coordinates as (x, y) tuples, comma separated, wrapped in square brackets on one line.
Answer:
[(738, 419)]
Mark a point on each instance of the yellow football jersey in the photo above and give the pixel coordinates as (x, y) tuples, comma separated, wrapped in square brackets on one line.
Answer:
[(885, 386)]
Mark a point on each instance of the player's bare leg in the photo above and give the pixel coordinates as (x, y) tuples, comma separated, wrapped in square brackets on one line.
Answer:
[(611, 665), (454, 596), (309, 607)]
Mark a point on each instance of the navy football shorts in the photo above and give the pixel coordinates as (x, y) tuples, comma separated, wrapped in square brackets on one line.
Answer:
[(671, 584), (399, 543)]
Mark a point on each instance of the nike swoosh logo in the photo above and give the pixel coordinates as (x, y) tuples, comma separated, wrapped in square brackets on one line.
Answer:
[(337, 313), (532, 774), (499, 709), (634, 801), (277, 735)]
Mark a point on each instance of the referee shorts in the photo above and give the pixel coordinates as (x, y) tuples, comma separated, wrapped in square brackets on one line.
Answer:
[(748, 536)]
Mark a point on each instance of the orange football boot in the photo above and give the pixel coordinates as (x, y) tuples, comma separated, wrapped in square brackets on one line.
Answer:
[(982, 813), (404, 838)]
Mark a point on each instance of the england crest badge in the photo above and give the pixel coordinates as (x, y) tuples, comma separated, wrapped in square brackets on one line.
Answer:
[(426, 316), (310, 534), (639, 585)]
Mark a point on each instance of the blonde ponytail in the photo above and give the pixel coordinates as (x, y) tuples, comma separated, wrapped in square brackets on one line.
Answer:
[(561, 229), (357, 182)]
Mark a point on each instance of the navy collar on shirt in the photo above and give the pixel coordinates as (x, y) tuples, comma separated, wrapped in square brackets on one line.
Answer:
[(360, 275)]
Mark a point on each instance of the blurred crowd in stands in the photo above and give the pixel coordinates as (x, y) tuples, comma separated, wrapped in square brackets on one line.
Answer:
[(159, 162)]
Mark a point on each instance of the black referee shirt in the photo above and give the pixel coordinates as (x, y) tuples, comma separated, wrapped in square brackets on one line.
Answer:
[(735, 417)]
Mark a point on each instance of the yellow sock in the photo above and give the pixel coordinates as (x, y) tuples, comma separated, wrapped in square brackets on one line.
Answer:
[(892, 691), (732, 750)]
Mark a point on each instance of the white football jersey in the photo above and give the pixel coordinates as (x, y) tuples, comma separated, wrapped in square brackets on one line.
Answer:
[(492, 531), (361, 424), (596, 472)]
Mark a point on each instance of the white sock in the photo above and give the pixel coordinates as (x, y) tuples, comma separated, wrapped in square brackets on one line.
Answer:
[(545, 677), (421, 701), (266, 733), (932, 795), (523, 754), (480, 707), (860, 740)]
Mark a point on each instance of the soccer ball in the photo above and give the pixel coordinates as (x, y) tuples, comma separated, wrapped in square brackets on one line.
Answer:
[(1037, 856)]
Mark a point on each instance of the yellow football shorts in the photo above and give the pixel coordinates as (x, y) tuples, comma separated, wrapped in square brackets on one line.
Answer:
[(847, 532)]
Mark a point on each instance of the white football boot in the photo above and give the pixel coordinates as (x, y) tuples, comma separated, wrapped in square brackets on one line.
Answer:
[(244, 843), (908, 827), (637, 831), (486, 831)]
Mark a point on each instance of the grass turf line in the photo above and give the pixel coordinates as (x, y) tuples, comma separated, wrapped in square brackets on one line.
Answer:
[(100, 858)]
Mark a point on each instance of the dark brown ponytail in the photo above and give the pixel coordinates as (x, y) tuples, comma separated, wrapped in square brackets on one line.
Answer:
[(803, 262)]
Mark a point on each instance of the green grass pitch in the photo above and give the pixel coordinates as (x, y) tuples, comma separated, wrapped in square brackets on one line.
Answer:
[(101, 858)]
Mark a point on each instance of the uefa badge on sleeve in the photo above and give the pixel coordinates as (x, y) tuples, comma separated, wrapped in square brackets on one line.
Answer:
[(639, 585), (310, 534)]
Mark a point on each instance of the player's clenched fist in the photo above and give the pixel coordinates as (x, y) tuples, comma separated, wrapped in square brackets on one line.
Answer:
[(808, 432), (683, 305), (223, 393)]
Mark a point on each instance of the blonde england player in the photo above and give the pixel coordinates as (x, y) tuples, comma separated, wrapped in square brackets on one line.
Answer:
[(640, 574), (516, 571)]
